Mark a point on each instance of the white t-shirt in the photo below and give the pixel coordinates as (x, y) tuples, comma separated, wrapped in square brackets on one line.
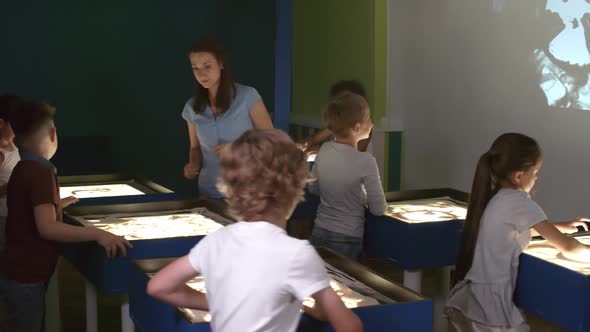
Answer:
[(257, 276)]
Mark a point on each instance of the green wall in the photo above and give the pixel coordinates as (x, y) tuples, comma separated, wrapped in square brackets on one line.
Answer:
[(119, 70), (335, 40)]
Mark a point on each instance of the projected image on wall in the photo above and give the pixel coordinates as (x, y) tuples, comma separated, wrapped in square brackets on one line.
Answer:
[(564, 64)]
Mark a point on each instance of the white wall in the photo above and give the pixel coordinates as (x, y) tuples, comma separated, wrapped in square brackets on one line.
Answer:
[(467, 78)]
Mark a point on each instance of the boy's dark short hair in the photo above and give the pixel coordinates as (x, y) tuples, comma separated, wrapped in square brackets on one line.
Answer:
[(30, 118), (353, 86), (8, 105)]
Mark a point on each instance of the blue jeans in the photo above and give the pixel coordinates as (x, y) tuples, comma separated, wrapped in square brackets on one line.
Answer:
[(23, 305), (348, 246)]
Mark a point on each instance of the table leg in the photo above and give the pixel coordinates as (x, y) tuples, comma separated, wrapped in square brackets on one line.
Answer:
[(413, 280), (91, 312)]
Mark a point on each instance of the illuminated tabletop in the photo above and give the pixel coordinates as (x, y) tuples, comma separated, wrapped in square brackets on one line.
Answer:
[(381, 304), (158, 224), (99, 190), (554, 287), (542, 249), (353, 293), (427, 210), (103, 189), (421, 229), (156, 229)]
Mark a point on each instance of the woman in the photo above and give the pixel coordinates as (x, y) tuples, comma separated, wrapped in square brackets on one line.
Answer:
[(218, 113)]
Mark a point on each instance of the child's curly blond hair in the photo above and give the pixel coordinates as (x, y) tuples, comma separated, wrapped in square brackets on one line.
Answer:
[(263, 174)]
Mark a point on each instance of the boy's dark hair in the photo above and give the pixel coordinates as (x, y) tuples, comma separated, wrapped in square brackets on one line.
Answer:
[(509, 153), (30, 117), (8, 105), (353, 86), (227, 90)]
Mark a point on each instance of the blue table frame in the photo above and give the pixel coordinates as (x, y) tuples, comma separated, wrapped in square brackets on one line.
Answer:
[(554, 293), (153, 192), (110, 276), (412, 312), (417, 246)]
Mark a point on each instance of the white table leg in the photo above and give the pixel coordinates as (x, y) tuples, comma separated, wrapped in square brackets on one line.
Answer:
[(91, 312), (442, 283), (413, 280), (52, 312), (126, 322)]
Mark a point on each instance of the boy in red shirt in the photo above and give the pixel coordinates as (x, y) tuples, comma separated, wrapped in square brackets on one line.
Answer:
[(34, 221)]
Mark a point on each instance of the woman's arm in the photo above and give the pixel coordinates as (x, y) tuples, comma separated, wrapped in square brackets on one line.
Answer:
[(191, 169), (259, 116)]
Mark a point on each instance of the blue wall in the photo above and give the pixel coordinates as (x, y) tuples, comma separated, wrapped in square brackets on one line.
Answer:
[(119, 70)]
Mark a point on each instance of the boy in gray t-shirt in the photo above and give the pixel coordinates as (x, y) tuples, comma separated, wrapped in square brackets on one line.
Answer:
[(347, 180)]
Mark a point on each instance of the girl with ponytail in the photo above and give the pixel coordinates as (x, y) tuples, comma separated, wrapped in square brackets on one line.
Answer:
[(500, 219)]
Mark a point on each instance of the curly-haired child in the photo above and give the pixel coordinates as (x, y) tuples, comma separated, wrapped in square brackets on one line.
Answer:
[(256, 275)]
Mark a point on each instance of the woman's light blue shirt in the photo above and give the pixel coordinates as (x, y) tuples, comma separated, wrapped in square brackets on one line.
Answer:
[(213, 131)]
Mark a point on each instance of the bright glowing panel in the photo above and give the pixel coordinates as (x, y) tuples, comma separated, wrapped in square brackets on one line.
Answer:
[(544, 250), (427, 210), (156, 226), (99, 190), (350, 297)]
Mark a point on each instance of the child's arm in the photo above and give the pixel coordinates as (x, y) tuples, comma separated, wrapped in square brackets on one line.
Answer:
[(316, 139), (567, 227), (314, 185), (571, 226), (65, 202), (50, 229), (192, 168), (569, 247), (169, 285), (375, 195), (329, 307)]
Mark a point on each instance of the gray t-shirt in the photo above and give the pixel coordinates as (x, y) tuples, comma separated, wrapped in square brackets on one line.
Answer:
[(503, 234), (347, 180), (486, 294)]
